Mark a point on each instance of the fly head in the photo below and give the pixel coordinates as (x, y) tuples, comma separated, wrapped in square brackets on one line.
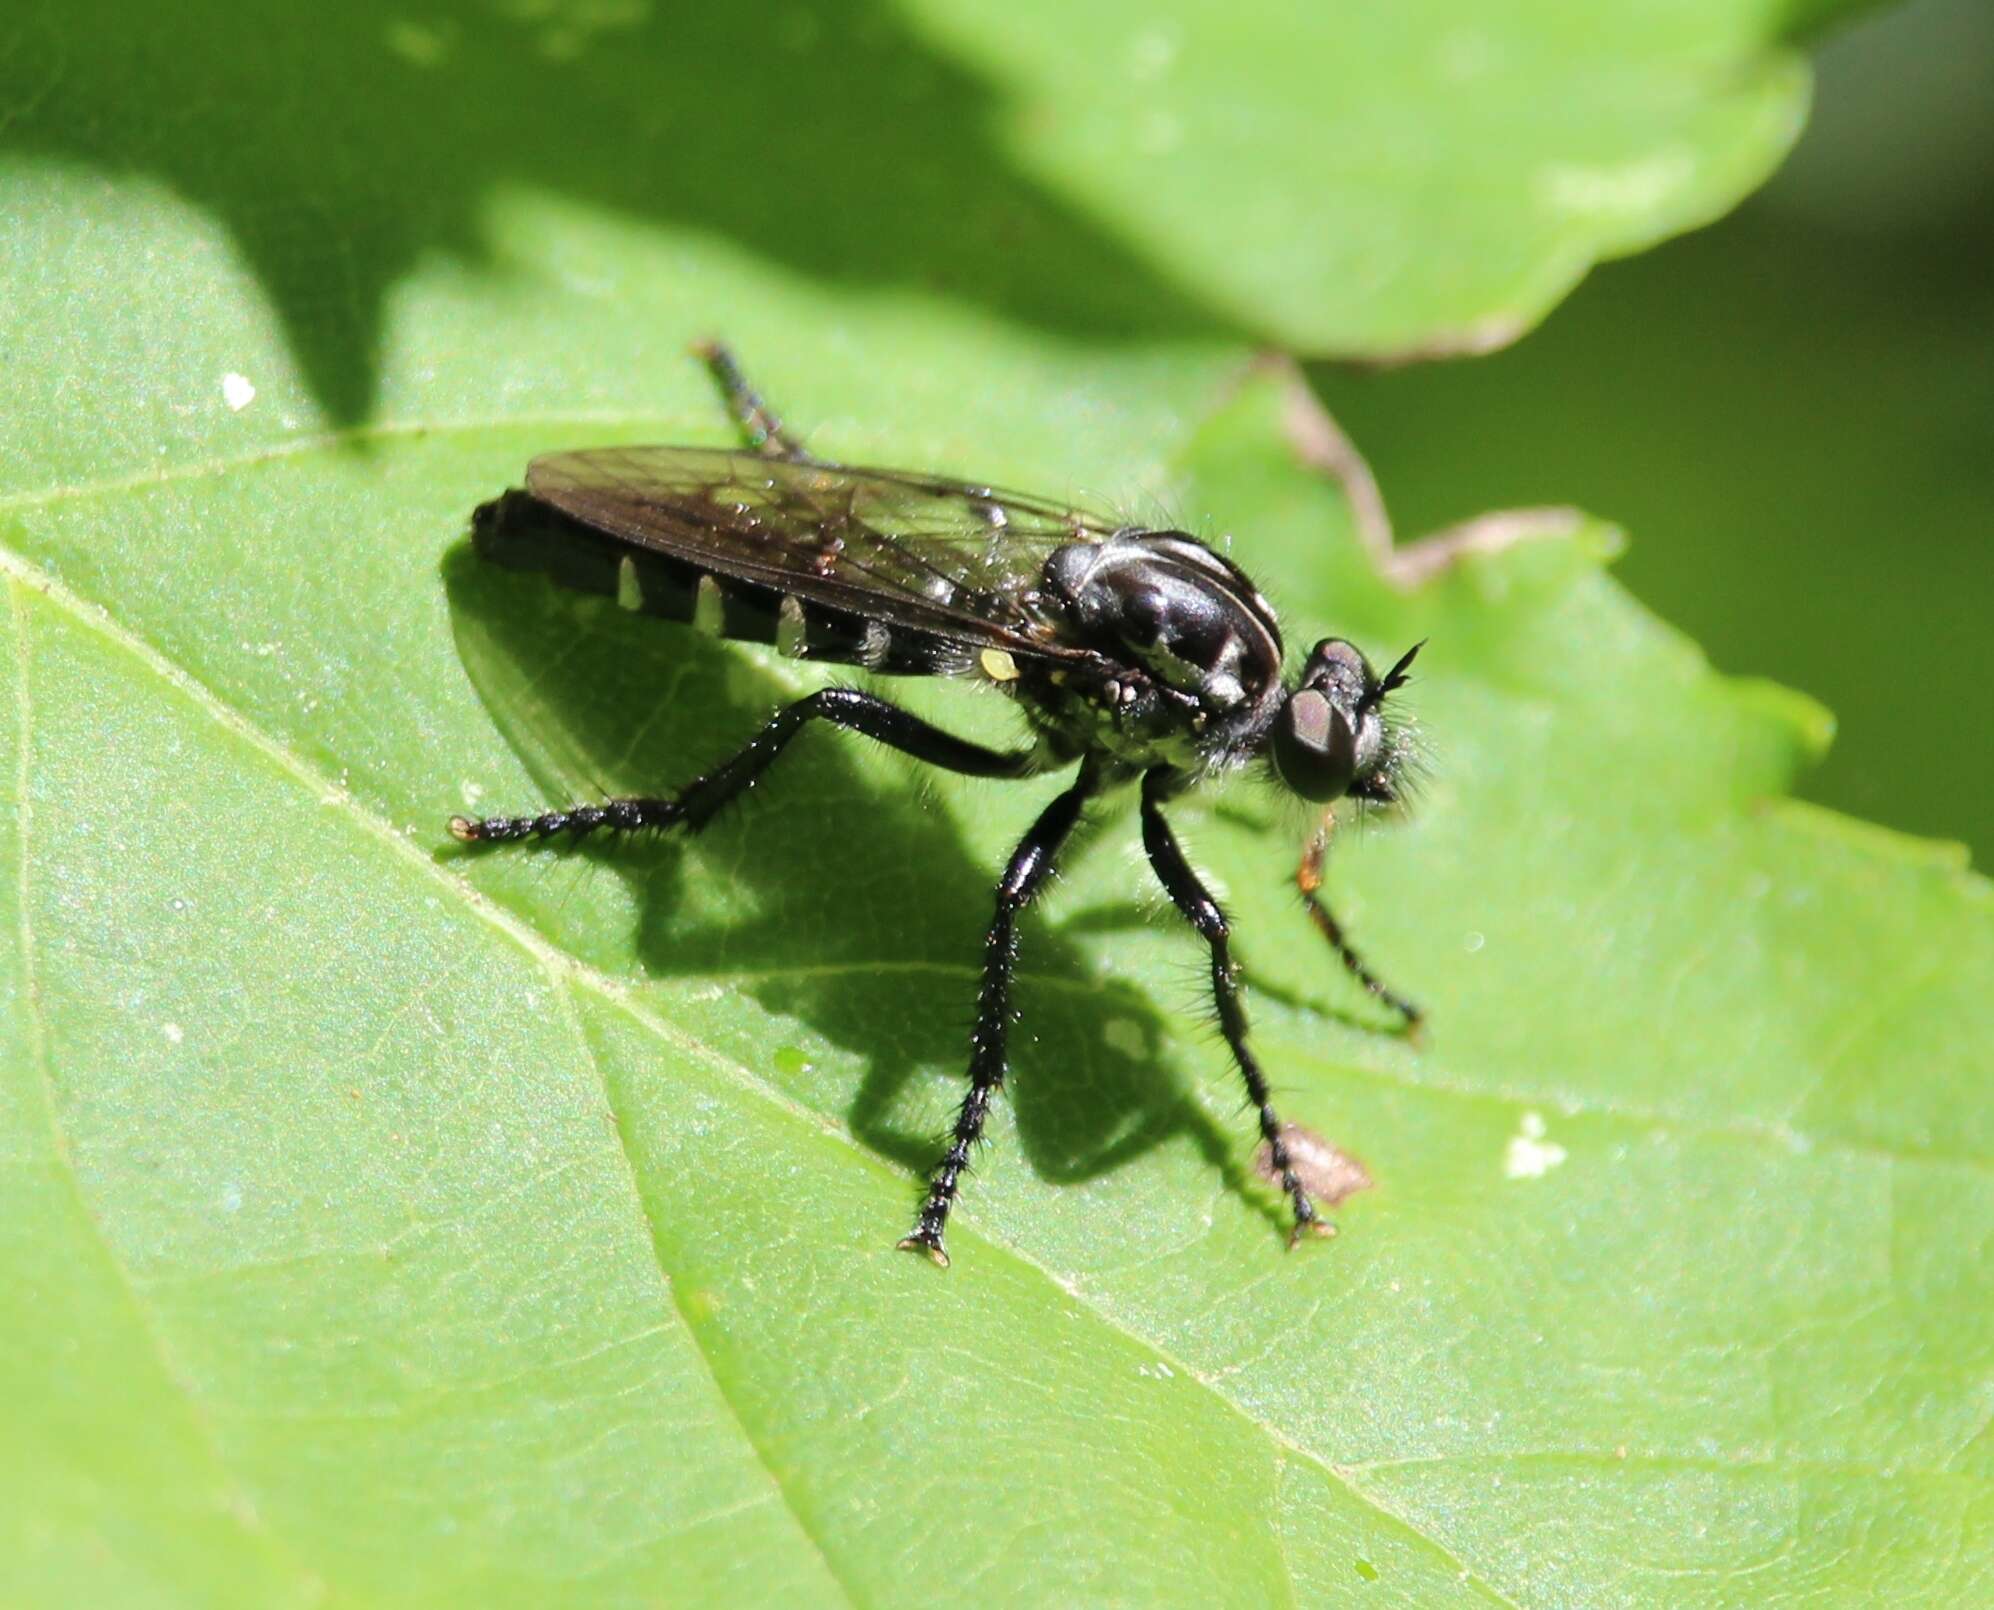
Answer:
[(1331, 738)]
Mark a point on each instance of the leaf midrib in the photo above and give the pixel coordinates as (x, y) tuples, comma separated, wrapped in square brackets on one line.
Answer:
[(312, 1585)]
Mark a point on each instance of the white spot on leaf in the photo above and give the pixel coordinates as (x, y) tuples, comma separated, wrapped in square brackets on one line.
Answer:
[(238, 391), (1529, 1155), (1626, 190), (1125, 1035)]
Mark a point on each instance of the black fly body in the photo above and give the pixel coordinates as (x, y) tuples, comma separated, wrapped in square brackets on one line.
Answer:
[(1140, 655)]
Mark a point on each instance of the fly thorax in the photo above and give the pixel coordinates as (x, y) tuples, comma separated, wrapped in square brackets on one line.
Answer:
[(1168, 605)]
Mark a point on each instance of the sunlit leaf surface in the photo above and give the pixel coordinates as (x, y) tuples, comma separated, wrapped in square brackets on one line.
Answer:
[(386, 1226)]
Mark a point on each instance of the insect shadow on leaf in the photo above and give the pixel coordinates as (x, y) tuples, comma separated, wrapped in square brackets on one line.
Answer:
[(863, 893), (1141, 658)]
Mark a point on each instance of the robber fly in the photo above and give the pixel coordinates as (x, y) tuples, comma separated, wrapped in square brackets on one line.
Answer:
[(1141, 655)]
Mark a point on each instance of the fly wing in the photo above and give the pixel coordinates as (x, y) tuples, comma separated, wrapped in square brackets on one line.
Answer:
[(952, 558)]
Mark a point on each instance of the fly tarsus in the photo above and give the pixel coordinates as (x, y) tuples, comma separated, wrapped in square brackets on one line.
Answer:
[(614, 815)]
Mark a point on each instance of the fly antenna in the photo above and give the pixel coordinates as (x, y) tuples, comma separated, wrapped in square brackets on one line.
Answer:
[(1395, 678)]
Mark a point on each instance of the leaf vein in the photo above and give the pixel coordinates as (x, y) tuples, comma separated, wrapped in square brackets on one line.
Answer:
[(563, 967), (561, 985), (1772, 1463), (323, 442), (1783, 1136)]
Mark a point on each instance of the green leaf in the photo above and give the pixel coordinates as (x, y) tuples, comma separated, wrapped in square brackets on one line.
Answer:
[(382, 1225), (1385, 180), (1354, 179)]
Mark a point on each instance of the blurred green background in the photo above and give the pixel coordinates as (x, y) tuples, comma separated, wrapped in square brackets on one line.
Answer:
[(1792, 412)]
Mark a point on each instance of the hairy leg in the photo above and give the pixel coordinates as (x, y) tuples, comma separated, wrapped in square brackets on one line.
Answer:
[(701, 799), (1030, 863), (758, 422), (1191, 898), (1308, 878)]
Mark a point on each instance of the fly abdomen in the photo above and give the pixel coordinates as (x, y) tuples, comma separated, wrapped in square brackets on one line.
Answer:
[(519, 532)]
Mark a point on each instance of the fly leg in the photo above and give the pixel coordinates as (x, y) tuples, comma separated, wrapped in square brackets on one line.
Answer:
[(1191, 898), (1308, 878), (758, 422), (700, 800), (1030, 863)]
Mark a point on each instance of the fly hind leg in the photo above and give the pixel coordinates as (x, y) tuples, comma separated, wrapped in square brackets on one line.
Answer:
[(763, 431), (702, 799)]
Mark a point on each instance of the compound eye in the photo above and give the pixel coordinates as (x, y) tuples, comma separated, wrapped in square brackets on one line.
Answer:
[(1339, 669), (1340, 651), (1315, 747)]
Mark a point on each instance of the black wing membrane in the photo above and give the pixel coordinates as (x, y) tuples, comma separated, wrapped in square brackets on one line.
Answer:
[(951, 559)]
